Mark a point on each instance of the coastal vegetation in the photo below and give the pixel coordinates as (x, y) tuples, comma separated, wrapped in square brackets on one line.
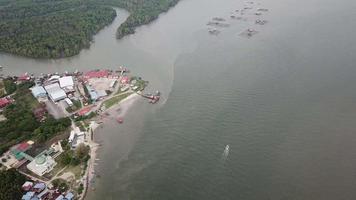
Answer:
[(74, 157), (55, 29), (50, 29), (60, 184), (141, 12), (10, 184), (21, 123), (115, 99)]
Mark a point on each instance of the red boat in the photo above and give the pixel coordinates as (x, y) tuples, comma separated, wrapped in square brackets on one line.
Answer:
[(120, 120)]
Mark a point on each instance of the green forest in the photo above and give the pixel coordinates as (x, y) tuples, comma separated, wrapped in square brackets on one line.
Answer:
[(10, 184), (61, 28)]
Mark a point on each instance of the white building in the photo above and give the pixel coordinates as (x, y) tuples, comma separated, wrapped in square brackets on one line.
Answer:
[(55, 92), (42, 164), (76, 137), (53, 79), (68, 101), (66, 83)]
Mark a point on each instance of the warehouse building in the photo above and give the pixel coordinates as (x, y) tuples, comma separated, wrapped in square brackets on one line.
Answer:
[(55, 92), (67, 83), (38, 91)]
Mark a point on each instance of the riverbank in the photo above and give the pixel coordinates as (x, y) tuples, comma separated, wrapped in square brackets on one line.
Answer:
[(121, 109)]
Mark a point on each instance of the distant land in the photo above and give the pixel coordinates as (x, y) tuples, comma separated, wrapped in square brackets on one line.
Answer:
[(61, 28)]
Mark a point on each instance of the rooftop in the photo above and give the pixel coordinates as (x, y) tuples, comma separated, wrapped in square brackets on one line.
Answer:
[(38, 91), (84, 111), (97, 74), (42, 164), (55, 92), (66, 81), (4, 102)]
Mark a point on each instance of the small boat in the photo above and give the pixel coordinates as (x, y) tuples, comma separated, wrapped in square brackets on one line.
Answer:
[(226, 151), (120, 120), (260, 22), (214, 32), (219, 19), (262, 9)]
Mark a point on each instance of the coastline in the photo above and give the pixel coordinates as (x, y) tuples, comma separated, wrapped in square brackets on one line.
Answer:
[(123, 106)]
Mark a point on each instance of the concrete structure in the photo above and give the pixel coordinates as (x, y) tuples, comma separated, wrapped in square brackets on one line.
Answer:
[(53, 79), (38, 91), (42, 164), (113, 83), (55, 92), (66, 83), (101, 93), (68, 101), (76, 137), (95, 95)]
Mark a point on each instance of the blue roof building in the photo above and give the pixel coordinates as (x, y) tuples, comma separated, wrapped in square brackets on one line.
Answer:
[(69, 196), (28, 196), (39, 186), (38, 91), (60, 197), (93, 94)]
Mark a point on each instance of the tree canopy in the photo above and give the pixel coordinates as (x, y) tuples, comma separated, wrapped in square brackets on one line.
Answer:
[(50, 29), (61, 28), (10, 184)]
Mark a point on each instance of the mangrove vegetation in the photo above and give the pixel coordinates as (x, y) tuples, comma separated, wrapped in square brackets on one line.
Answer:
[(61, 28)]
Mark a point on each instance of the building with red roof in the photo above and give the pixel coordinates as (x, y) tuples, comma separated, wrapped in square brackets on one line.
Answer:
[(24, 77), (125, 80), (97, 74), (84, 111), (19, 150), (4, 102)]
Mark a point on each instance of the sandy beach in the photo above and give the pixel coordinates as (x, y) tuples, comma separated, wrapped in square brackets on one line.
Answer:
[(119, 109)]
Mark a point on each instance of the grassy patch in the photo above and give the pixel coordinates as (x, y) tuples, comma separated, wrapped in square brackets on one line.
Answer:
[(139, 84), (76, 170), (2, 88), (116, 99)]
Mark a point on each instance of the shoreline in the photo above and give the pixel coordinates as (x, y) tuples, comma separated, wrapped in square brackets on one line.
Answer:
[(124, 106)]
